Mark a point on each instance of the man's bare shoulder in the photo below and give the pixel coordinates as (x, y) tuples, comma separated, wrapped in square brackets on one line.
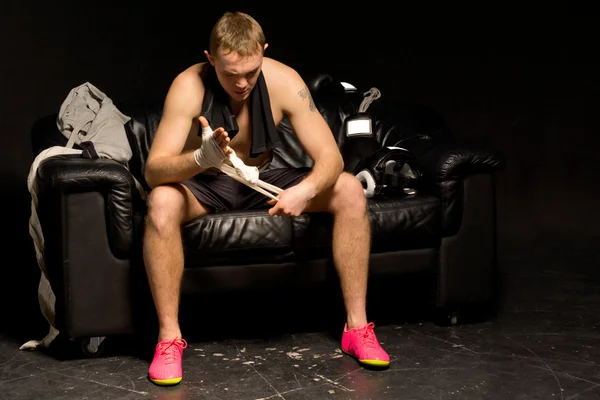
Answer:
[(283, 82), (187, 89), (278, 74)]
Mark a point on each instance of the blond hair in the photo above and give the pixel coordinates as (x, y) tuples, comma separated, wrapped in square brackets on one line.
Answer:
[(239, 33)]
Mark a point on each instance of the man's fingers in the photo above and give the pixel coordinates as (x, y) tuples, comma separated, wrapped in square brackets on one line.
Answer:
[(221, 137), (274, 210), (218, 132), (203, 122), (225, 142)]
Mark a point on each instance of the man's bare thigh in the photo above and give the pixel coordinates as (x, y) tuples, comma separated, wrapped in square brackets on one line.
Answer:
[(193, 209)]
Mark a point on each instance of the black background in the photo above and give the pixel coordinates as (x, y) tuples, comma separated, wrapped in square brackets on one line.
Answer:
[(524, 79)]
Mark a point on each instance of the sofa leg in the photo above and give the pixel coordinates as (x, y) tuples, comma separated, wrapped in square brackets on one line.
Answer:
[(93, 346), (467, 270), (447, 316)]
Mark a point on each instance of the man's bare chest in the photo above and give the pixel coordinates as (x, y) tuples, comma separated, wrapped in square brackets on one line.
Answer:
[(243, 138)]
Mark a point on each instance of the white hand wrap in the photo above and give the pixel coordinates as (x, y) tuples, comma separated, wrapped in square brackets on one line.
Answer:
[(244, 171), (209, 154)]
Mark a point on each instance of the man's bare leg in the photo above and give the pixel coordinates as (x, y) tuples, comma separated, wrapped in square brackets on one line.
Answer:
[(351, 250), (351, 242), (169, 207)]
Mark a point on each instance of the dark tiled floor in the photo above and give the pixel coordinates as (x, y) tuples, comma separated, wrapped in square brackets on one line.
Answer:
[(543, 344)]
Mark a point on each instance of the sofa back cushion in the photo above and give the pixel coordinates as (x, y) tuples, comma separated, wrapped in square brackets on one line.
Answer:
[(140, 133)]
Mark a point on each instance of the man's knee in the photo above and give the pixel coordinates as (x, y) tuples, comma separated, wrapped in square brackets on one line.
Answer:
[(166, 206), (348, 195)]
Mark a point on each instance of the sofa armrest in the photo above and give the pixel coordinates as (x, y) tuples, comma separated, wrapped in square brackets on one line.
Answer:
[(68, 174), (91, 222), (445, 164), (451, 160)]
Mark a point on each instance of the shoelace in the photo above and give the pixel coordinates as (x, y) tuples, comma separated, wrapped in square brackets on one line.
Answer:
[(170, 350), (369, 335)]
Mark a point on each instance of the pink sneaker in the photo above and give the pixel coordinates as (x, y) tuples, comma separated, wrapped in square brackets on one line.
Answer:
[(362, 344), (166, 365)]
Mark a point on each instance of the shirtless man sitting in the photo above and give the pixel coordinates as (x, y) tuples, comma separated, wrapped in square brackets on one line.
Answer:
[(183, 189)]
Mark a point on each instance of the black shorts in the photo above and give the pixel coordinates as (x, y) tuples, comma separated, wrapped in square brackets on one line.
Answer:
[(220, 192)]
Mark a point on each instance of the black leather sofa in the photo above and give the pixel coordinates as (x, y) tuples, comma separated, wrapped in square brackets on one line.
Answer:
[(92, 220)]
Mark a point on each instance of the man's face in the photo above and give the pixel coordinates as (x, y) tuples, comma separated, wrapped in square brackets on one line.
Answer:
[(237, 75)]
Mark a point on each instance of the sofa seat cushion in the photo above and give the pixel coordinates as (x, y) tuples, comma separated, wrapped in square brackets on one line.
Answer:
[(237, 237), (253, 236), (399, 223), (407, 222)]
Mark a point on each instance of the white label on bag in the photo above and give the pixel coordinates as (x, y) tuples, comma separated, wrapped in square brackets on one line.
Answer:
[(359, 127), (348, 87)]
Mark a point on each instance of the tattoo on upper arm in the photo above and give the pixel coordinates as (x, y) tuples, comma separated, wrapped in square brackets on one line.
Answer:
[(305, 94)]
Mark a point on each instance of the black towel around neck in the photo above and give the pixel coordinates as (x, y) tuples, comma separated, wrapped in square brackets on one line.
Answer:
[(217, 110)]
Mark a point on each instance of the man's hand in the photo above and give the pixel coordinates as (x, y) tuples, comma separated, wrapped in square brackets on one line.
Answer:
[(219, 134), (214, 148), (292, 201)]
